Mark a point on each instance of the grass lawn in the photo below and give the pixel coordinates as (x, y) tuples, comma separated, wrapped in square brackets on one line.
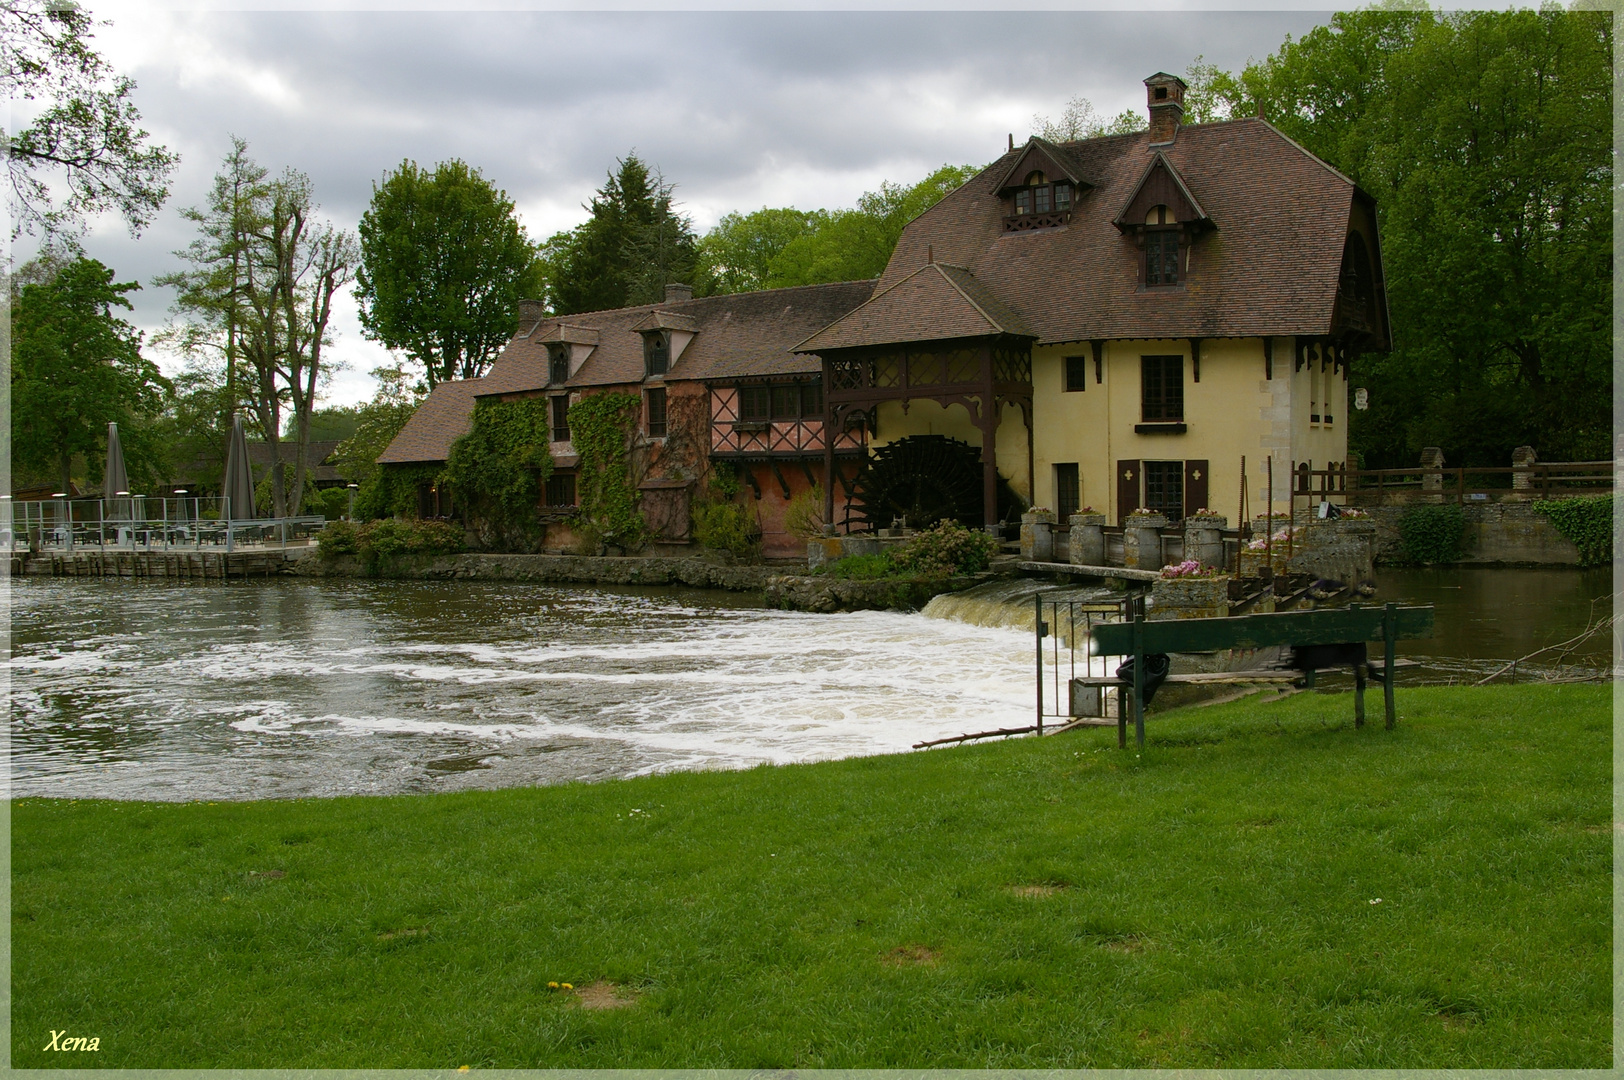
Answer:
[(1051, 902)]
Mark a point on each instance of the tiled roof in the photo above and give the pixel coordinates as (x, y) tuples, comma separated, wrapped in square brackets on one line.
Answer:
[(1269, 267), (735, 335), (438, 422), (932, 303)]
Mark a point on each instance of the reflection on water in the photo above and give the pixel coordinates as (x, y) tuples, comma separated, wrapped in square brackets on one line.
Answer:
[(280, 688)]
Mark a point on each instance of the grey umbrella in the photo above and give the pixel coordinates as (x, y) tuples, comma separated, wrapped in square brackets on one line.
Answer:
[(117, 479), (238, 485)]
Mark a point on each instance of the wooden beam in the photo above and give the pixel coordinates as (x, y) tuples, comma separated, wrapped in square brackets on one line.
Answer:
[(1098, 348), (772, 463), (1195, 357), (1268, 358)]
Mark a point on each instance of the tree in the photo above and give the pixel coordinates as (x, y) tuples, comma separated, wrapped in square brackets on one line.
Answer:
[(444, 263), (380, 420), (737, 254), (633, 245), (1486, 138), (1080, 121), (850, 245), (87, 136), (76, 366), (259, 297)]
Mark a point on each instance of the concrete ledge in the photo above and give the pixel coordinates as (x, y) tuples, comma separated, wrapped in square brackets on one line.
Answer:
[(1088, 571)]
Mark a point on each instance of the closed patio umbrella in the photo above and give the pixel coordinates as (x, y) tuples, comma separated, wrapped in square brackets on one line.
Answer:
[(117, 486), (238, 485)]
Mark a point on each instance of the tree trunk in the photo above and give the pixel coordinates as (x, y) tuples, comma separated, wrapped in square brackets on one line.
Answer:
[(67, 473)]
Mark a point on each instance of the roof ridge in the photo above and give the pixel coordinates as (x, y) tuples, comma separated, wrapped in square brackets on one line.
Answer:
[(983, 312), (661, 304)]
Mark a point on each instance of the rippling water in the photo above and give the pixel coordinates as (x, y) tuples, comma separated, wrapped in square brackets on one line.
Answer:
[(283, 688)]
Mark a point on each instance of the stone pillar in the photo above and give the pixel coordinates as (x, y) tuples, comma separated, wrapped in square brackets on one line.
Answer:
[(1037, 536), (1432, 459), (1087, 543), (1204, 539), (1142, 541), (1523, 458), (820, 551), (1189, 598)]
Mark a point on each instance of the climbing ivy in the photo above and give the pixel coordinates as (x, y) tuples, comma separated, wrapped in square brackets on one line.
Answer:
[(496, 470), (391, 491), (1432, 534), (601, 427), (1587, 522)]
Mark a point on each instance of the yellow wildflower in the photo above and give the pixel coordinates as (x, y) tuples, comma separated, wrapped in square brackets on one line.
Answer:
[(567, 986), (552, 986)]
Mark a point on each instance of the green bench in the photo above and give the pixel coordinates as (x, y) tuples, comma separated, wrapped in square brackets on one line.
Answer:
[(1352, 625)]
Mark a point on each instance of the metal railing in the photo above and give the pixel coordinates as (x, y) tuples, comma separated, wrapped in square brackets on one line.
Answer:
[(140, 523), (1066, 626), (1460, 484)]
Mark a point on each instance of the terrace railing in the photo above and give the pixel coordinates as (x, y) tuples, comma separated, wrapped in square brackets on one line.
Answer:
[(139, 523)]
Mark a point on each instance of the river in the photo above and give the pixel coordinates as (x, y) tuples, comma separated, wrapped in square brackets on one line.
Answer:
[(284, 688)]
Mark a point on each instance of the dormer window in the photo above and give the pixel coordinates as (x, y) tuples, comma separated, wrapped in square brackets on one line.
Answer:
[(656, 352), (1161, 247), (1039, 196), (558, 363)]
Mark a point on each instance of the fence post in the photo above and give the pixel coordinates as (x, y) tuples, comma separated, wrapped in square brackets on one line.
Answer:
[(1038, 635)]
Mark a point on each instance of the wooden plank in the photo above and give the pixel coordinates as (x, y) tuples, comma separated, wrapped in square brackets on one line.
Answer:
[(1325, 626), (1088, 571)]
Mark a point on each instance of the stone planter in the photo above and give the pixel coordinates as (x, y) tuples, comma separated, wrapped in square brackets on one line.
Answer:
[(859, 545), (1204, 539), (1142, 541), (1086, 546), (1190, 598), (1037, 536), (822, 550)]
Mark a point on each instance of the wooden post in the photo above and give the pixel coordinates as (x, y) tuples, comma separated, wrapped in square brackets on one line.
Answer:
[(1389, 635), (1038, 635), (1359, 695)]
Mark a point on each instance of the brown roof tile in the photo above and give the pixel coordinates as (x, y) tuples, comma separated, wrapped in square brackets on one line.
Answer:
[(1269, 266), (438, 422), (932, 303)]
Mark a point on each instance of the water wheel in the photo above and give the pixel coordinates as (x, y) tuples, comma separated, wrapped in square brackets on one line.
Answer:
[(926, 478)]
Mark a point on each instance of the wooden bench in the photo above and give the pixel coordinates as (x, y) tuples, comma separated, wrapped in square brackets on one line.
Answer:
[(1352, 625)]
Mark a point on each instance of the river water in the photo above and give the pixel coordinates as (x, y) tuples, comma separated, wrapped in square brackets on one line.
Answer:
[(282, 688)]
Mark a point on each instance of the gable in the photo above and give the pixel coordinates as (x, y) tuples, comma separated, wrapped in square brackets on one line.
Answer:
[(1044, 157), (1161, 185)]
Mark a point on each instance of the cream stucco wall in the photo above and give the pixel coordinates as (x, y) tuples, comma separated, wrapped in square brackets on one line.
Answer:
[(923, 417), (1233, 411)]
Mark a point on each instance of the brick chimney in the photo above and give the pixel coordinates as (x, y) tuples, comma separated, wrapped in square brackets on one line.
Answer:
[(1164, 95), (676, 294), (529, 311)]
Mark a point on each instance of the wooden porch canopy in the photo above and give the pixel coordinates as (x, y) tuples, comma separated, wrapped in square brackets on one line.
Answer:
[(938, 335)]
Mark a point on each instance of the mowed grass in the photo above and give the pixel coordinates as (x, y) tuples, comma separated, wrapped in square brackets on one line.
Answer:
[(1051, 902)]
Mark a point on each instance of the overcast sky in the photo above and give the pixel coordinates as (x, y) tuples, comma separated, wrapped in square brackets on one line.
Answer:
[(739, 109)]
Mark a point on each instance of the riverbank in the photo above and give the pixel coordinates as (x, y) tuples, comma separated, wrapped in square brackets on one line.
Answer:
[(1266, 886), (778, 586)]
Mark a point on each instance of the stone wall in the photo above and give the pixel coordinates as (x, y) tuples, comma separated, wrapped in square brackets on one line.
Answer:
[(1497, 533)]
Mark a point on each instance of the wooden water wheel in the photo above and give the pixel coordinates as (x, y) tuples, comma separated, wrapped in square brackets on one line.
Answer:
[(925, 478)]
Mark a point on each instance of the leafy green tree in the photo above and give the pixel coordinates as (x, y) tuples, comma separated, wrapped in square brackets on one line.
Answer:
[(850, 245), (378, 422), (737, 254), (1486, 138), (87, 137), (75, 367), (1079, 121), (444, 263), (633, 245)]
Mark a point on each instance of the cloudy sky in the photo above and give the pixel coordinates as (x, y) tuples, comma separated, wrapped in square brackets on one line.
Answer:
[(740, 109)]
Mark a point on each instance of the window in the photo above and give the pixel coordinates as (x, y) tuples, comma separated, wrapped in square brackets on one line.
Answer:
[(1164, 488), (1062, 196), (786, 402), (656, 352), (755, 403), (1042, 198), (1162, 257), (1076, 373), (812, 399), (1023, 201), (1161, 381), (558, 364), (1067, 496), (561, 489), (561, 419), (656, 413)]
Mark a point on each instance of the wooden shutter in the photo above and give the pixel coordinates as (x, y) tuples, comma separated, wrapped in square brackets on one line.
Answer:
[(1195, 485), (1127, 474)]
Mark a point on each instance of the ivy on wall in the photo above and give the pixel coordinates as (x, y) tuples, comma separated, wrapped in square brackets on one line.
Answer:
[(392, 491), (602, 427), (1432, 534), (1586, 522), (497, 469)]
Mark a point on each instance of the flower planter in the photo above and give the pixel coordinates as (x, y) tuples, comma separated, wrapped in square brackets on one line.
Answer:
[(1190, 598), (1204, 539)]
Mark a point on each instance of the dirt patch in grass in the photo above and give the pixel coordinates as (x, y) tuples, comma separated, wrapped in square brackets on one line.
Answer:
[(912, 956), (409, 931), (268, 874), (1039, 890), (1259, 823), (605, 995)]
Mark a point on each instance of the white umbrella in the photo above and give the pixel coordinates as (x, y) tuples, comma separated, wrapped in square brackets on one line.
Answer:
[(117, 479)]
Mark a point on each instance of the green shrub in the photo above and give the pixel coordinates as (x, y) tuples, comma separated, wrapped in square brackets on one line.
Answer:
[(860, 567), (947, 548), (334, 503), (1432, 534), (1586, 522), (391, 491), (803, 518), (497, 470), (388, 538), (727, 526), (338, 538)]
